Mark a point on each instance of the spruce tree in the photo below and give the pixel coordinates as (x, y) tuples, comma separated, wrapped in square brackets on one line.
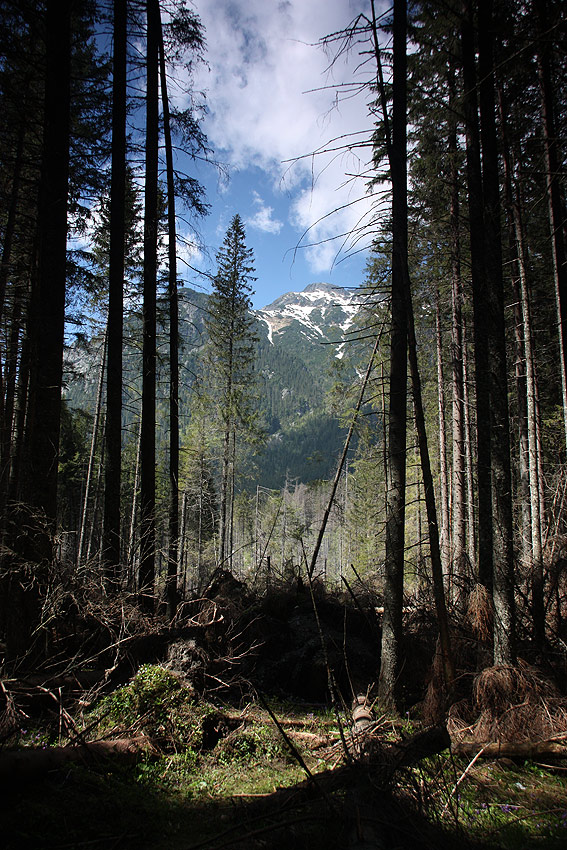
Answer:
[(231, 357)]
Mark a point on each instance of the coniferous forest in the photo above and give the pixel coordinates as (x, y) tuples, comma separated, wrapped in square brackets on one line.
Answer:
[(265, 581)]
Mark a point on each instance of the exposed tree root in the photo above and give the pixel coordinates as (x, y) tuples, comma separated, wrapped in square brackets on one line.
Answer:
[(510, 705)]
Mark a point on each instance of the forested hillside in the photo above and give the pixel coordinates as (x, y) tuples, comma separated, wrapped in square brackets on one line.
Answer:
[(354, 496), (299, 356)]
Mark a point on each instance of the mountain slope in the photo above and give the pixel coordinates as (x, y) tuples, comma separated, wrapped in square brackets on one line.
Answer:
[(299, 347)]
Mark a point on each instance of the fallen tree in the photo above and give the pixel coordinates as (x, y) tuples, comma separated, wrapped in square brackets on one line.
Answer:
[(531, 750), (30, 763)]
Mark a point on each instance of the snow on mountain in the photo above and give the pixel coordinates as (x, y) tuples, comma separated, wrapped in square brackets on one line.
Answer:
[(319, 310)]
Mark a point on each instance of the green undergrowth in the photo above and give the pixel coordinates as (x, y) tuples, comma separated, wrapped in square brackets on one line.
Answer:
[(213, 765)]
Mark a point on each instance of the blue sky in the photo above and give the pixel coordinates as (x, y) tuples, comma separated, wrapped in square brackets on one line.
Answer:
[(271, 98)]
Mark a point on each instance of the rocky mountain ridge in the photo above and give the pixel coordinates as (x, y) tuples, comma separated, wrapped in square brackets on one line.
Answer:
[(318, 309)]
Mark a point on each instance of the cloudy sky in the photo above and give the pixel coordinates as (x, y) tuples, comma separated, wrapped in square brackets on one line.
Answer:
[(271, 99)]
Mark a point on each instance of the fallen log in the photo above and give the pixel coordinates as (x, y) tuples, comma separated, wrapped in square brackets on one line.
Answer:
[(530, 750), (29, 763)]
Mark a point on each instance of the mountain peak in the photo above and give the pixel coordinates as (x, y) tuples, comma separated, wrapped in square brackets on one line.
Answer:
[(325, 293), (315, 311), (322, 286)]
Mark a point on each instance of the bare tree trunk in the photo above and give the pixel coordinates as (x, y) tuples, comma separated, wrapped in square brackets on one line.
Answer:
[(480, 300), (47, 312), (223, 516), (458, 488), (95, 506), (523, 442), (503, 537), (46, 328), (113, 428), (92, 453), (445, 537), (469, 461), (14, 355), (403, 312), (171, 587), (148, 438), (397, 415), (533, 546), (232, 492), (556, 208), (131, 559), (7, 363)]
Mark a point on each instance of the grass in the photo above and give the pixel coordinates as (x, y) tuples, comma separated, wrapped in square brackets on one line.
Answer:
[(516, 805), (187, 794)]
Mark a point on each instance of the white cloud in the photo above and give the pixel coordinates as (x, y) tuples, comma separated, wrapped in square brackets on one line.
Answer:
[(265, 109), (263, 217), (189, 254)]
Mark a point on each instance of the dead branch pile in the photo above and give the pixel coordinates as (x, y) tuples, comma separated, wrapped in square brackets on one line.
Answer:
[(510, 705)]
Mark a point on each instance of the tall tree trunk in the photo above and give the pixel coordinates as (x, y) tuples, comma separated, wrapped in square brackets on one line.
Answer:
[(20, 418), (131, 557), (458, 488), (402, 312), (48, 319), (113, 469), (12, 364), (95, 531), (148, 437), (46, 327), (397, 415), (225, 478), (445, 539), (469, 462), (92, 454), (523, 471), (502, 542), (6, 363), (480, 298), (171, 588), (556, 207), (232, 495), (527, 402), (10, 225)]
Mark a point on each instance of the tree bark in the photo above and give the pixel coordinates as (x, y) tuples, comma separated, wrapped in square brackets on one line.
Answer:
[(48, 308), (35, 550), (148, 435), (512, 750), (27, 764), (503, 535), (402, 312), (527, 392), (469, 464), (458, 488), (171, 586), (397, 414), (445, 537), (480, 298), (92, 455), (113, 454), (556, 208)]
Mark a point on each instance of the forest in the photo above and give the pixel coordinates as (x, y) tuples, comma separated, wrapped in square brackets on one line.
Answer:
[(373, 654)]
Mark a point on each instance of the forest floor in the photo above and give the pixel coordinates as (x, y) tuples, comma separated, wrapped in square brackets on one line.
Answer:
[(188, 734), (214, 774)]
